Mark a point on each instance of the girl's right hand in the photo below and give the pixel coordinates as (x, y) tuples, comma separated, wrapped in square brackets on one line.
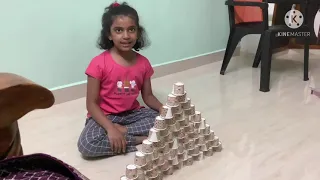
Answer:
[(117, 140)]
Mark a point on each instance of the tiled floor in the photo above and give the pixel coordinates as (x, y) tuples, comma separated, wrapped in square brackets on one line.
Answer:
[(266, 136)]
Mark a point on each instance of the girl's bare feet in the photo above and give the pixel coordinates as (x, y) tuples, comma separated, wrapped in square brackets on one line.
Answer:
[(139, 139)]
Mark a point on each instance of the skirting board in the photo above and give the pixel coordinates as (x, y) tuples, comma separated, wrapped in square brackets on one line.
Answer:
[(78, 90)]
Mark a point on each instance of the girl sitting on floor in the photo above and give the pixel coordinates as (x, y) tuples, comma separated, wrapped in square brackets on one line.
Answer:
[(116, 121)]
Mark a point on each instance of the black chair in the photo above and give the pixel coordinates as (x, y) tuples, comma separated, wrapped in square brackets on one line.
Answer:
[(273, 32), (238, 31)]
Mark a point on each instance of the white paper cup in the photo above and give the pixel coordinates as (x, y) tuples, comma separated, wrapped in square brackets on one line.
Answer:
[(216, 141), (196, 125), (174, 161), (169, 171), (207, 129), (160, 123), (176, 109), (202, 140), (124, 178), (166, 112), (147, 146), (175, 127), (203, 123), (175, 143), (154, 135), (178, 88), (197, 116), (186, 104), (193, 109), (178, 166), (170, 121), (168, 137), (152, 173), (172, 100), (140, 159), (192, 118), (131, 171), (181, 97), (178, 116)]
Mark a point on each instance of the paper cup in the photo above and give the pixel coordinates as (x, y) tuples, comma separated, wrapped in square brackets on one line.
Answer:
[(201, 131), (180, 149), (154, 135), (174, 161), (160, 123), (175, 143), (169, 171), (178, 116), (166, 112), (131, 171), (192, 118), (124, 178), (197, 116), (140, 159), (186, 104), (181, 97), (178, 88), (148, 166), (164, 166), (168, 137), (186, 128), (189, 161), (173, 153), (196, 157), (172, 100), (159, 144), (202, 141), (170, 144), (176, 109), (175, 127), (216, 141), (209, 152), (178, 166), (164, 132), (147, 146), (166, 148), (203, 123), (193, 109), (196, 125), (161, 159), (152, 173), (207, 129), (169, 121), (218, 148)]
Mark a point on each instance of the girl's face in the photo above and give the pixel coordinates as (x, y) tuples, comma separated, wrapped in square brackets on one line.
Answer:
[(124, 33)]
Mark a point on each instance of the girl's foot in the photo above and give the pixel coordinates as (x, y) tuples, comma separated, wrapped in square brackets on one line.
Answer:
[(139, 139)]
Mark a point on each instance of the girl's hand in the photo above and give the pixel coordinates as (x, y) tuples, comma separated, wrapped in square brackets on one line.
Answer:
[(117, 140)]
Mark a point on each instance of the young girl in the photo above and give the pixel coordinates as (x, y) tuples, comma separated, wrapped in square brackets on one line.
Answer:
[(116, 122)]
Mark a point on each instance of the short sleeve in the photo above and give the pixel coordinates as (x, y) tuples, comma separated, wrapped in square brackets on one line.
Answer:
[(94, 68), (149, 70)]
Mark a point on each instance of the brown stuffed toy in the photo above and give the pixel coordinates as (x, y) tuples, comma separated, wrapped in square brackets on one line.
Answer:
[(18, 96)]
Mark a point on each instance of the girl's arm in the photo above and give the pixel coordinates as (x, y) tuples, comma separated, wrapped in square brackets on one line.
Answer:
[(117, 141), (147, 95)]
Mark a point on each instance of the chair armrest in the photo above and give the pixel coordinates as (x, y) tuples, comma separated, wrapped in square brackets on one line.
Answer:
[(262, 5)]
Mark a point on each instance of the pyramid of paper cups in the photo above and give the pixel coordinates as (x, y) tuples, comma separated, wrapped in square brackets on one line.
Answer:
[(179, 137)]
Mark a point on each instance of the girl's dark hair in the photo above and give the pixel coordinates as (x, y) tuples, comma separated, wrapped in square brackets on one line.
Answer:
[(108, 17)]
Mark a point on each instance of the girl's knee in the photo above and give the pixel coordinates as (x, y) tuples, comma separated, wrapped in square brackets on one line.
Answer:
[(94, 148)]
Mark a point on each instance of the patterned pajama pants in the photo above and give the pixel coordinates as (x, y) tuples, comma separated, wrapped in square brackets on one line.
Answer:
[(94, 142)]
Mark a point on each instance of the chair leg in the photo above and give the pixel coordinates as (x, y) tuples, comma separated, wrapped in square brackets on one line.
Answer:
[(266, 63), (306, 60), (234, 39), (257, 57)]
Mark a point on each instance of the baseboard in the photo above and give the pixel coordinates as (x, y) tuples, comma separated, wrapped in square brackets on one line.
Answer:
[(78, 90)]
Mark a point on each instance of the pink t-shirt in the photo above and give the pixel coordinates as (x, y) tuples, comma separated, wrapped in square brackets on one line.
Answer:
[(120, 85)]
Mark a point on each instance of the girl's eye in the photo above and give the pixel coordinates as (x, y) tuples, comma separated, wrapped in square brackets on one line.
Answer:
[(118, 30), (132, 30)]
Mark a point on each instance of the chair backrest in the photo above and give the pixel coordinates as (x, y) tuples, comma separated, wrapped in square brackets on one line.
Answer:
[(247, 14), (18, 96)]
